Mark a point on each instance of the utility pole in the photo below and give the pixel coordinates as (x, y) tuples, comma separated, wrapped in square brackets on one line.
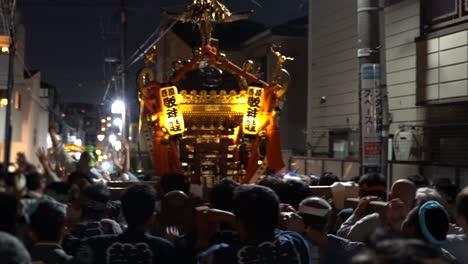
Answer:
[(11, 8), (372, 94), (123, 58)]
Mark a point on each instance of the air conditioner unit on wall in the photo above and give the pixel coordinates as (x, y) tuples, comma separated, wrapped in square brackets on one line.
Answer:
[(408, 143)]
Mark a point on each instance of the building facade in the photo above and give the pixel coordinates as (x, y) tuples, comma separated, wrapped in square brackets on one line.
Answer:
[(30, 115), (424, 57)]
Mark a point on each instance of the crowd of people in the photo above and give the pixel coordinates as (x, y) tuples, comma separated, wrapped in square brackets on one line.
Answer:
[(67, 214)]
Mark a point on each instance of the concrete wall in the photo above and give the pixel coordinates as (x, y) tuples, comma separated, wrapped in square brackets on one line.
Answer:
[(333, 70), (401, 29), (292, 119)]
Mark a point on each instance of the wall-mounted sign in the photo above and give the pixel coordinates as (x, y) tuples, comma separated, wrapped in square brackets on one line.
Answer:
[(371, 115), (253, 113), (171, 117)]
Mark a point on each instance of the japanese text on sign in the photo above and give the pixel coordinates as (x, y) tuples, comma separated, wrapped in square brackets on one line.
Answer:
[(253, 115), (372, 114), (172, 117)]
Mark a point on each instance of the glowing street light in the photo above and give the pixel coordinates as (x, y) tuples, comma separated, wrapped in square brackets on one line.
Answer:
[(101, 137), (118, 145), (118, 107), (78, 142), (106, 165), (112, 139), (118, 122)]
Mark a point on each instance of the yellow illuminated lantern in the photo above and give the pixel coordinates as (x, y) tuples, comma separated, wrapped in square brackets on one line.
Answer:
[(171, 118), (254, 111)]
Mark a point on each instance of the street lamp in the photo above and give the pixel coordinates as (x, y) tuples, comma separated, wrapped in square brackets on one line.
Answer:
[(101, 137), (118, 107), (118, 123), (112, 139)]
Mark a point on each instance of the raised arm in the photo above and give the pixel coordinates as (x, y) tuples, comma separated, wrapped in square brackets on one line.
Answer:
[(41, 154)]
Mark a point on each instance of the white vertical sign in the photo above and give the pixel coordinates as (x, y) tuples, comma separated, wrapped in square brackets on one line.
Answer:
[(371, 115)]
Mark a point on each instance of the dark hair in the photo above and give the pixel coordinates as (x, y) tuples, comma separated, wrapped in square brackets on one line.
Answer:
[(94, 201), (257, 208), (294, 192), (78, 175), (446, 187), (34, 181), (138, 204), (176, 211), (318, 223), (437, 222), (276, 184), (175, 182), (372, 180), (9, 208), (222, 193), (404, 251), (59, 191), (47, 221), (462, 204), (355, 178), (419, 180), (328, 178)]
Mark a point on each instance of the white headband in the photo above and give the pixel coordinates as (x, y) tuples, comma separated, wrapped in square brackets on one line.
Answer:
[(312, 210)]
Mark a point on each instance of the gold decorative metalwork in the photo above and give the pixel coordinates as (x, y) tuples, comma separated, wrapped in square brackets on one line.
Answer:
[(205, 14), (145, 76), (212, 97), (150, 56), (280, 75)]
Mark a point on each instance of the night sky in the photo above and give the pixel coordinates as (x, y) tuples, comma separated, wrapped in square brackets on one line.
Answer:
[(64, 38)]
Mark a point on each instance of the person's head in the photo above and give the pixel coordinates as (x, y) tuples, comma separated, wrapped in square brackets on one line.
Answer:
[(373, 184), (48, 222), (9, 205), (426, 194), (294, 192), (12, 251), (138, 204), (447, 189), (327, 179), (315, 213), (175, 182), (462, 209), (428, 222), (21, 159), (83, 162), (404, 190), (257, 211), (35, 182), (222, 193), (80, 179), (276, 184), (175, 209), (355, 178), (401, 251), (419, 180), (59, 191), (94, 200)]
